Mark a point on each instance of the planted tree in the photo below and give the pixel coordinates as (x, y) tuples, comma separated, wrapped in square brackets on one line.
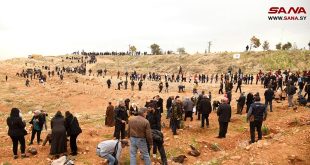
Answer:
[(181, 50), (266, 45), (279, 46), (255, 42), (287, 46), (155, 49), (133, 49)]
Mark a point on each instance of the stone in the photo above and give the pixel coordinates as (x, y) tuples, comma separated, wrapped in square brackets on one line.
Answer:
[(32, 151), (248, 148), (87, 149), (235, 157)]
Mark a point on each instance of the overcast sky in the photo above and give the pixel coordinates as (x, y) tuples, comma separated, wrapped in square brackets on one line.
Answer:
[(62, 26)]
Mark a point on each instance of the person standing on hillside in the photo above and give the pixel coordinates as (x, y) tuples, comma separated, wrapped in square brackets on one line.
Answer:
[(188, 106), (140, 85), (17, 132), (169, 105), (205, 110), (27, 83), (239, 85), (132, 84), (59, 138), (240, 103), (224, 114), (160, 86), (176, 115), (109, 83), (73, 130), (256, 115), (249, 101), (121, 117), (291, 90), (37, 122), (167, 86), (269, 94), (139, 132), (6, 78), (221, 88)]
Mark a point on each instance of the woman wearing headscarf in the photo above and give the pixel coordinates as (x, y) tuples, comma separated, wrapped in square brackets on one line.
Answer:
[(37, 122), (133, 110), (73, 130), (59, 139), (17, 132)]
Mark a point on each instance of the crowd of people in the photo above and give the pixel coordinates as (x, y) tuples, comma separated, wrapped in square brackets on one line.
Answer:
[(61, 128), (144, 124)]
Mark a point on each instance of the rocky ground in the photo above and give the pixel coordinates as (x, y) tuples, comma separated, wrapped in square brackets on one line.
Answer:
[(287, 140)]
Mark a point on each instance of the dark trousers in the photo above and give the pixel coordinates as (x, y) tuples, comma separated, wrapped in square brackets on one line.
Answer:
[(161, 150), (270, 104), (238, 87), (239, 109), (247, 107), (168, 113), (174, 126), (223, 129), (34, 132), (198, 113), (21, 140), (119, 131), (73, 145), (258, 126), (221, 91), (203, 118), (188, 114)]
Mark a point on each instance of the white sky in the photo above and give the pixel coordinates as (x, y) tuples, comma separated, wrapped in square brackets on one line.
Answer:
[(62, 26)]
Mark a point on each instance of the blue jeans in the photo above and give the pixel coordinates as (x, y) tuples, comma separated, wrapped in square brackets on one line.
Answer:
[(109, 157), (135, 144), (174, 125)]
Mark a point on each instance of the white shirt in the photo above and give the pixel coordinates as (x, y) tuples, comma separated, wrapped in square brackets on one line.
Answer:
[(108, 147)]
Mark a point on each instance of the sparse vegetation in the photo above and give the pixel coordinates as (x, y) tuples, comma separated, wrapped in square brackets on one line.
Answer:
[(215, 147), (265, 130)]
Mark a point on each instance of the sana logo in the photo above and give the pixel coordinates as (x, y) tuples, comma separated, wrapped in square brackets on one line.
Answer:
[(291, 10)]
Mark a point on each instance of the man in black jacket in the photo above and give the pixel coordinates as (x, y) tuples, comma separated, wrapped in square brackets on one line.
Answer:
[(239, 85), (249, 101), (224, 114), (73, 130), (240, 103), (168, 106), (109, 83), (121, 117), (158, 141), (291, 90), (205, 109), (268, 97), (198, 112), (140, 85), (256, 115)]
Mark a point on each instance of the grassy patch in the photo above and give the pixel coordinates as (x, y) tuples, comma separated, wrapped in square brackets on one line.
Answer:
[(215, 147), (265, 130), (173, 152)]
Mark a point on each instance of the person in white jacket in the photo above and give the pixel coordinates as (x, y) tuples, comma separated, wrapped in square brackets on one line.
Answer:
[(111, 150)]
